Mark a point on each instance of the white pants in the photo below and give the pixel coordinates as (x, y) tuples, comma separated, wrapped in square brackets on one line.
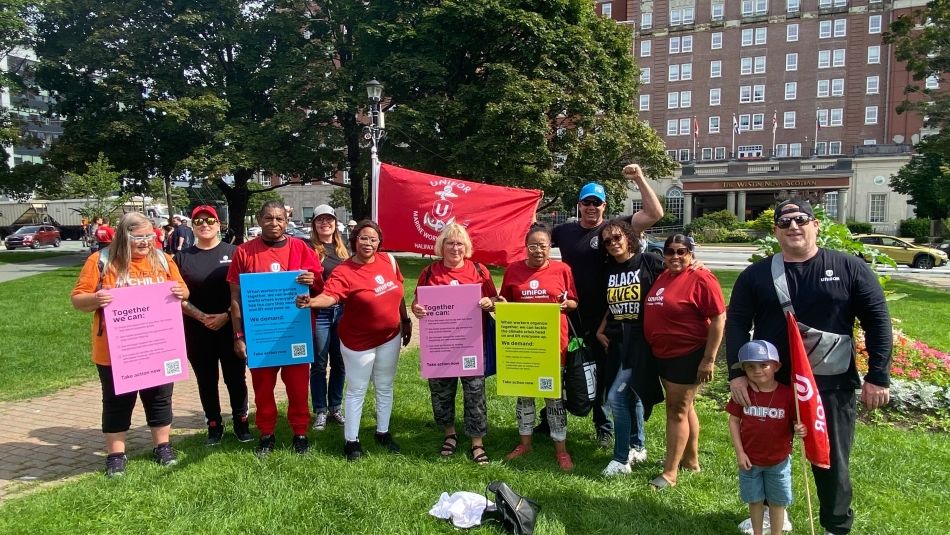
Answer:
[(379, 364)]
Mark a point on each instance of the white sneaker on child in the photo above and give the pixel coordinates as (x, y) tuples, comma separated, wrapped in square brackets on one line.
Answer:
[(746, 525)]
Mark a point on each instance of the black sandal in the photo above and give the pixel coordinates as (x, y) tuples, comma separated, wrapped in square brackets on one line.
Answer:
[(481, 458), (449, 445)]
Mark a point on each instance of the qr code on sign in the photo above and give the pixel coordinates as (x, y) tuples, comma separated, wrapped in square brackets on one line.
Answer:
[(546, 384), (469, 363), (298, 351), (172, 367)]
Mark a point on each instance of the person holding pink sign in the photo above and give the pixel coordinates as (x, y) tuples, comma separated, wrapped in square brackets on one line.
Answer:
[(538, 279), (455, 247), (132, 259)]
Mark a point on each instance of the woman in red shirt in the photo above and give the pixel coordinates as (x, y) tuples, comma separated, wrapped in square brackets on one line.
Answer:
[(369, 285), (538, 279), (685, 318), (455, 247)]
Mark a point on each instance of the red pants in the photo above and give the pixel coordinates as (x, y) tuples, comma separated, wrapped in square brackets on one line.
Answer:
[(297, 382)]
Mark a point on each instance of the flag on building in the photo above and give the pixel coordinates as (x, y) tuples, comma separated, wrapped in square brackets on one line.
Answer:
[(774, 121), (412, 208), (735, 124), (811, 412), (695, 128)]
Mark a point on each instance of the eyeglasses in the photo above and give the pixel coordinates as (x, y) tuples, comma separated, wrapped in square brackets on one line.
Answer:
[(800, 220), (592, 202), (140, 239), (535, 247), (324, 219), (669, 251), (454, 244), (617, 238), (367, 239), (202, 220)]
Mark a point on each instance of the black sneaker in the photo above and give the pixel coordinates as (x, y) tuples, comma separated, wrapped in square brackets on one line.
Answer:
[(386, 440), (266, 445), (215, 433), (605, 438), (164, 454), (336, 417), (115, 465), (301, 444), (353, 450), (242, 430)]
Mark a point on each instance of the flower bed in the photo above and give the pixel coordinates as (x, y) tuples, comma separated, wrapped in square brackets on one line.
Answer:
[(912, 360)]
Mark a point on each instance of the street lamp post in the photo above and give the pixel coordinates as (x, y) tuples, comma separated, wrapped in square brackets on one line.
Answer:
[(375, 132)]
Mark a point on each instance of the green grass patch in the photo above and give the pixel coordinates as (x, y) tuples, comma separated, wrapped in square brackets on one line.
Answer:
[(15, 257), (924, 314), (899, 477)]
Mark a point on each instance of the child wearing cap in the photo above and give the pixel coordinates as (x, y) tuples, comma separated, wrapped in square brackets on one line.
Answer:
[(762, 436)]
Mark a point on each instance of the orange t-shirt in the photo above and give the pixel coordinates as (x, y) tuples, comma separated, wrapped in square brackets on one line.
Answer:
[(140, 272)]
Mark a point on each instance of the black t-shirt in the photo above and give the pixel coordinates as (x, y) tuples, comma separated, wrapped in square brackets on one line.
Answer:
[(828, 292), (205, 272), (183, 231), (627, 284), (579, 250), (330, 260)]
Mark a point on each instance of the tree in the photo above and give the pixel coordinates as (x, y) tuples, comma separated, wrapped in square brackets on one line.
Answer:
[(29, 179), (926, 177), (101, 185), (920, 39)]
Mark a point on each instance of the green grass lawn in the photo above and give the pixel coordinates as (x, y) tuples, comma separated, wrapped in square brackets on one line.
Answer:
[(924, 314), (15, 257)]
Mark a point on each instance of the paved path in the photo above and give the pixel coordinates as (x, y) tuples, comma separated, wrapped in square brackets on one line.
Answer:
[(9, 272)]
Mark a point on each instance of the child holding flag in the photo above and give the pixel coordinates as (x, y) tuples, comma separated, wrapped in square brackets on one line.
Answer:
[(762, 435)]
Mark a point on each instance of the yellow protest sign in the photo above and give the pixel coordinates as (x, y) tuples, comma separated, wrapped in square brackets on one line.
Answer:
[(528, 347)]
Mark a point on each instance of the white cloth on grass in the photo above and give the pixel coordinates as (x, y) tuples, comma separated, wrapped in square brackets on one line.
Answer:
[(463, 508)]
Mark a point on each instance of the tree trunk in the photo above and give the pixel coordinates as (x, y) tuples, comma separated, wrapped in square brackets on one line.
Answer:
[(167, 183), (237, 197)]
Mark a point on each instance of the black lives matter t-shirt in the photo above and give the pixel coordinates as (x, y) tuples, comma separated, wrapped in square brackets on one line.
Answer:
[(626, 285), (205, 272)]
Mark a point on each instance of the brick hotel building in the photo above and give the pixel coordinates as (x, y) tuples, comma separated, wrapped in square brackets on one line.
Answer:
[(738, 90)]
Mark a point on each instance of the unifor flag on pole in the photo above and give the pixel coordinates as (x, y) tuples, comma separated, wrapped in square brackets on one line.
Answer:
[(810, 411), (412, 208)]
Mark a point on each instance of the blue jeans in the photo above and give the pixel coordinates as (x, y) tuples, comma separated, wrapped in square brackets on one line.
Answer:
[(327, 348), (628, 416)]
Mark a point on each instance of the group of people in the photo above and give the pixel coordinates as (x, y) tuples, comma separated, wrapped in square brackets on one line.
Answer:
[(655, 324)]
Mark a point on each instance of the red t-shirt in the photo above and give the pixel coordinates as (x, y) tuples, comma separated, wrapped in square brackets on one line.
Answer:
[(371, 295), (436, 274), (158, 238), (766, 426), (552, 283), (677, 311), (291, 254), (105, 234)]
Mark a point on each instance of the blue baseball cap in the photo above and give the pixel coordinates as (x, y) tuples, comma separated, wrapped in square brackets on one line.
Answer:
[(593, 189), (756, 351)]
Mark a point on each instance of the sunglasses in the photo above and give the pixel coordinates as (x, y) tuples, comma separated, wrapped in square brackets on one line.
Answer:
[(592, 202), (139, 239), (613, 239), (800, 220), (669, 251), (202, 220)]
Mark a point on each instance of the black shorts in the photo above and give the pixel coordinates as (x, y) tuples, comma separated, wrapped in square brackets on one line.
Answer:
[(681, 370), (117, 408)]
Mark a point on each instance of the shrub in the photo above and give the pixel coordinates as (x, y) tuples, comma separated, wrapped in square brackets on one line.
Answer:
[(699, 225), (860, 227), (738, 236), (763, 223), (917, 227), (723, 219)]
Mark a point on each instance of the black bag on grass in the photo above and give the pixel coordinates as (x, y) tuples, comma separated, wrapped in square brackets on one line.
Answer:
[(516, 513), (580, 377)]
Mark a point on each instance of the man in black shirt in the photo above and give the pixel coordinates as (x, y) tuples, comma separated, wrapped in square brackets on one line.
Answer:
[(578, 242), (182, 236), (828, 290)]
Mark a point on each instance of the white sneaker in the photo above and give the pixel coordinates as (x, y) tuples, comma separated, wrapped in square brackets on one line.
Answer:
[(615, 469), (320, 421), (746, 525), (637, 455)]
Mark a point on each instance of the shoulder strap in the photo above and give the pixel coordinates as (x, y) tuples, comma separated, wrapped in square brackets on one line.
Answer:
[(480, 270), (392, 261), (103, 260), (427, 272), (781, 283)]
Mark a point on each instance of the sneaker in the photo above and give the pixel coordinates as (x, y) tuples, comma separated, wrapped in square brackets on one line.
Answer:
[(164, 454), (320, 421), (386, 440), (746, 525), (242, 429), (616, 468), (215, 433), (352, 450), (115, 465), (336, 417), (519, 450), (266, 445), (564, 461), (637, 455), (605, 439), (300, 444)]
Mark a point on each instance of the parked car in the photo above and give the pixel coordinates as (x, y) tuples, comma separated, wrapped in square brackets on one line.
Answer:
[(33, 237), (297, 232), (903, 251), (253, 232)]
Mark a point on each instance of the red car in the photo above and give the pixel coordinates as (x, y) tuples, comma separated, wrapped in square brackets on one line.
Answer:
[(33, 237)]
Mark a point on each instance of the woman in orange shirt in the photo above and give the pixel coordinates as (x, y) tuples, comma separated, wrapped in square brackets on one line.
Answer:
[(132, 260)]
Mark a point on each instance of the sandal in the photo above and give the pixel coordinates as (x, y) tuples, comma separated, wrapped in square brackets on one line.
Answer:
[(660, 483), (449, 445), (480, 458)]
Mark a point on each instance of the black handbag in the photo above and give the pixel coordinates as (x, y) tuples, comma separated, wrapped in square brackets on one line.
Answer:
[(516, 513), (580, 376)]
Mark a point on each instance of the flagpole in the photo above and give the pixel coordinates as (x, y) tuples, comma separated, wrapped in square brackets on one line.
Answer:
[(814, 150), (695, 136), (774, 129), (811, 517), (734, 128)]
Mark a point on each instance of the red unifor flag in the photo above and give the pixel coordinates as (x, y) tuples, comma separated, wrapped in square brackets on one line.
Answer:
[(811, 412), (412, 208)]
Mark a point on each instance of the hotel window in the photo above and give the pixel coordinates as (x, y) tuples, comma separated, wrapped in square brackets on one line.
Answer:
[(830, 204), (870, 142), (824, 59), (791, 61), (684, 155), (748, 37), (689, 15), (824, 29), (686, 99), (791, 33), (645, 75), (718, 11), (781, 150), (644, 102), (841, 27), (714, 124), (791, 90), (822, 118), (793, 6), (707, 154), (870, 115), (874, 24), (932, 82), (758, 93), (745, 94), (674, 202), (672, 100), (674, 46), (646, 47), (758, 121), (715, 69), (788, 120), (674, 74), (686, 71), (606, 9), (823, 88), (685, 127), (687, 43), (874, 54), (837, 87), (761, 35), (715, 96), (745, 66), (838, 58), (715, 42), (822, 4), (720, 153), (646, 20), (672, 127), (795, 150), (671, 154), (744, 122), (748, 8), (877, 208), (837, 117), (759, 64), (676, 17)]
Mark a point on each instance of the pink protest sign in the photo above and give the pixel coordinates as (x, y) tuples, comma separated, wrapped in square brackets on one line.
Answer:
[(146, 337), (451, 331)]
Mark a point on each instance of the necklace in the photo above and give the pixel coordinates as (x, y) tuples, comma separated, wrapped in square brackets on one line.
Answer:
[(764, 414)]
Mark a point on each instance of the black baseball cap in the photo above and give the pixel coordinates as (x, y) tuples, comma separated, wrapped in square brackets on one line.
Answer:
[(792, 206)]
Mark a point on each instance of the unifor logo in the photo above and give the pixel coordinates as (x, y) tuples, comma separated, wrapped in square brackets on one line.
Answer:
[(594, 242), (534, 285), (829, 273), (275, 266), (660, 292), (379, 279), (803, 388), (454, 283)]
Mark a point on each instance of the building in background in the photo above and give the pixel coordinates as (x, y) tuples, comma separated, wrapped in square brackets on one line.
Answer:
[(31, 108)]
